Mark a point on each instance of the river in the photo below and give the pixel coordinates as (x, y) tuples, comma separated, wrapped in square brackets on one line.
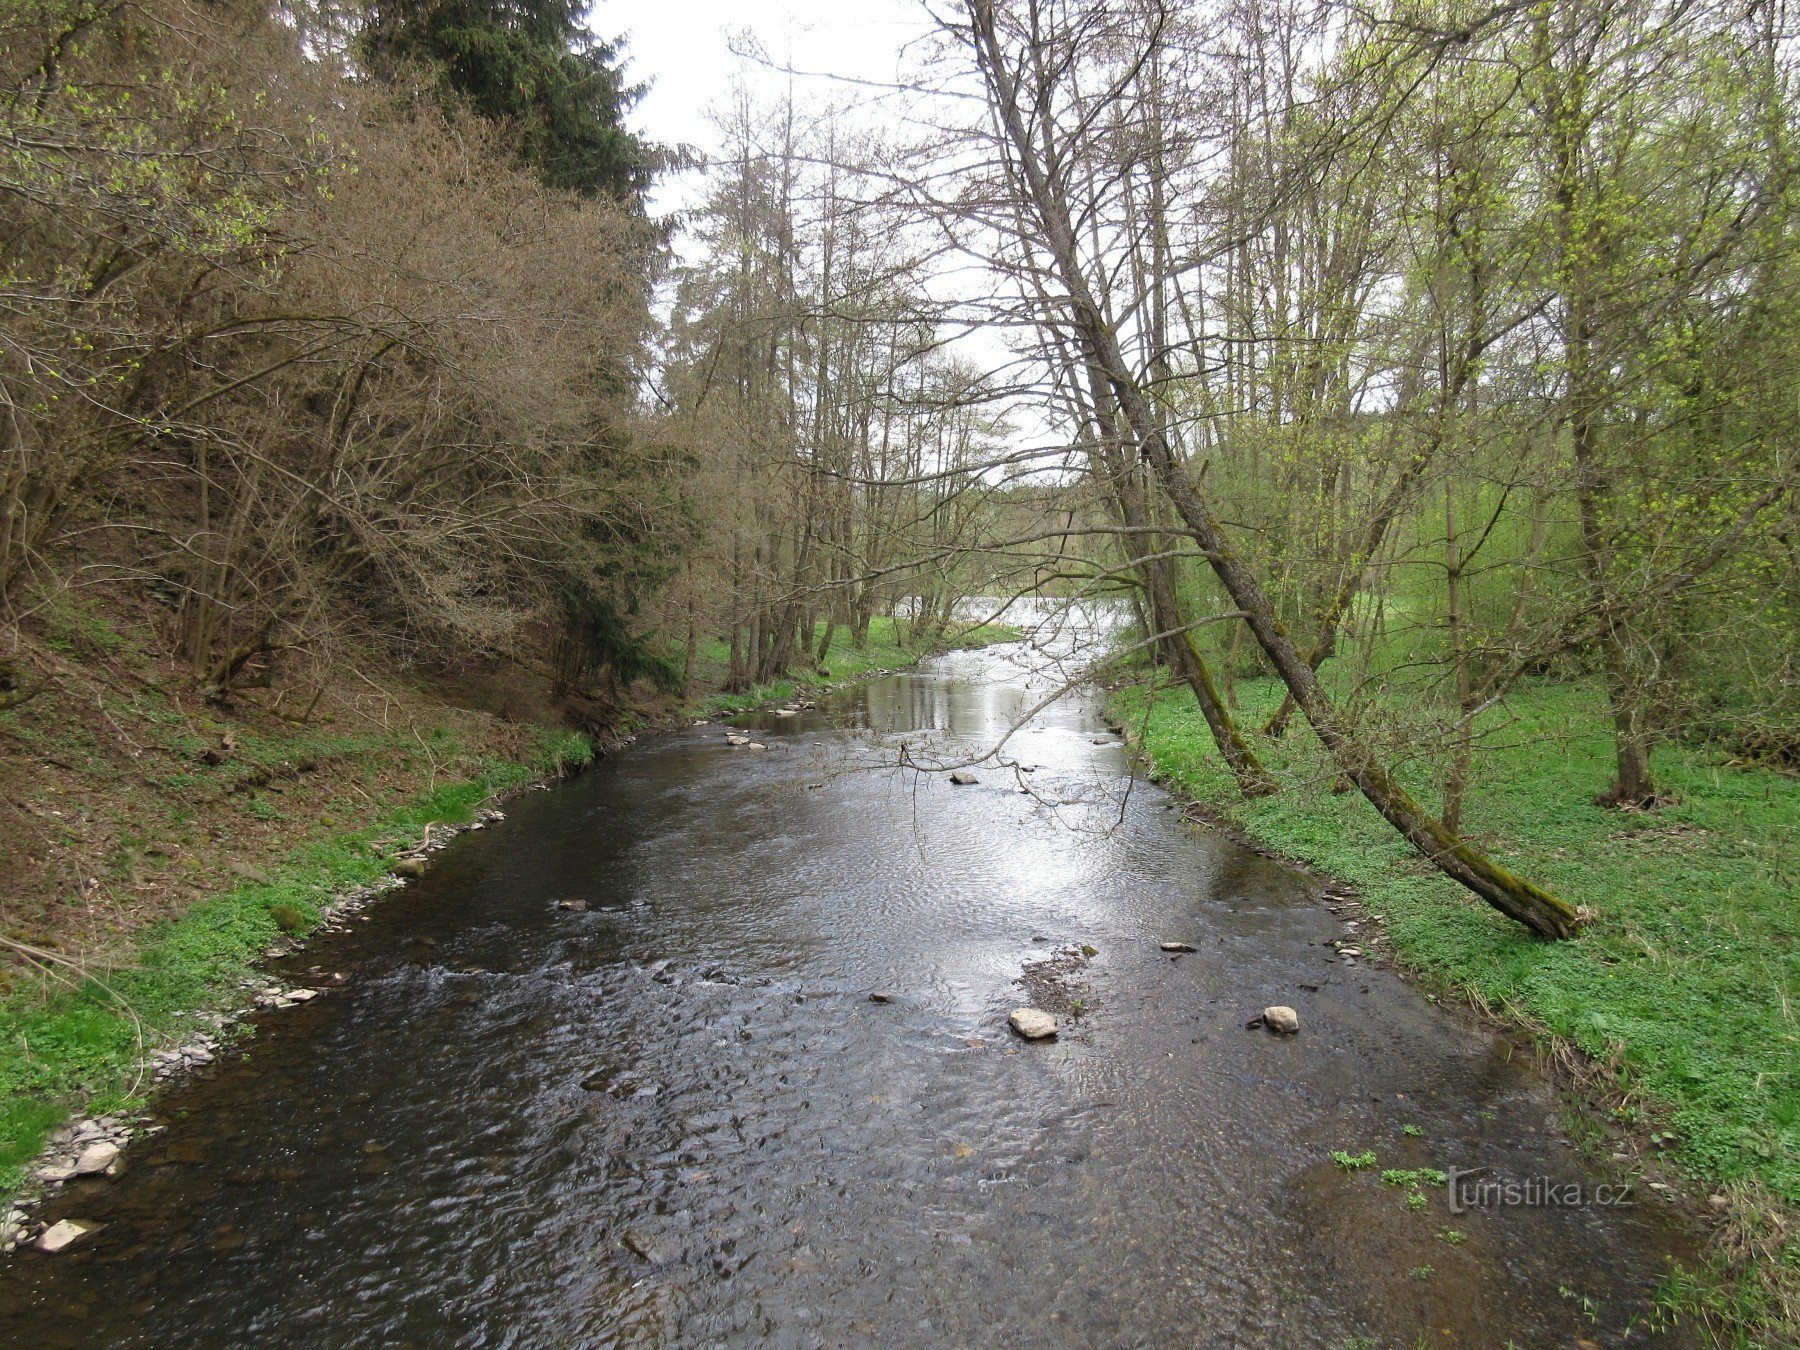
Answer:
[(678, 1117)]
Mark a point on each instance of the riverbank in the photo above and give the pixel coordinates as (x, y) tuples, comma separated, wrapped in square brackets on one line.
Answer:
[(1675, 1008), (886, 647), (153, 844)]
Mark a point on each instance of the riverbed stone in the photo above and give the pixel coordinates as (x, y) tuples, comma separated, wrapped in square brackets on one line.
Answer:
[(409, 867), (573, 906), (1179, 947), (1281, 1019), (1034, 1024), (96, 1158), (645, 1246), (64, 1233), (963, 778), (880, 996)]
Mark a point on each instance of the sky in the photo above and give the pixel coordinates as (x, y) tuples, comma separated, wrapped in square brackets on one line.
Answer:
[(683, 50)]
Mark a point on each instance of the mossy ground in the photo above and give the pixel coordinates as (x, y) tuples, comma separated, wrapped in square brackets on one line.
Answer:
[(1683, 991)]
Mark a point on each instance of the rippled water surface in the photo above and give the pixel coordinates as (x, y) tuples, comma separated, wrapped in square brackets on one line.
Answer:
[(678, 1117)]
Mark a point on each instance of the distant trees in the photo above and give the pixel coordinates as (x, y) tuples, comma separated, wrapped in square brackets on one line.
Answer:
[(841, 450)]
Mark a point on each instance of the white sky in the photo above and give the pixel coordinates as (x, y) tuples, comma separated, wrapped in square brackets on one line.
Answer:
[(683, 50)]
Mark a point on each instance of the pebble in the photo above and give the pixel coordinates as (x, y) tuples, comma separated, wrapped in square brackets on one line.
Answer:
[(1032, 1023), (1281, 1019), (1179, 947), (963, 778)]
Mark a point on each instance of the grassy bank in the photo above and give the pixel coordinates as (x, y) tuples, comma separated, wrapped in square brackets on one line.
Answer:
[(78, 1037), (1683, 994), (888, 647)]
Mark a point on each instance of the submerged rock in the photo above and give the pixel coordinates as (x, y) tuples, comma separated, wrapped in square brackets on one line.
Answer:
[(64, 1233), (1032, 1023), (573, 906), (963, 778), (642, 1244), (880, 996), (1281, 1020)]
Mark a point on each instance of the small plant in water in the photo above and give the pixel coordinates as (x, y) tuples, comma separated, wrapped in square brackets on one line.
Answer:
[(1089, 951), (1452, 1235), (1352, 1162)]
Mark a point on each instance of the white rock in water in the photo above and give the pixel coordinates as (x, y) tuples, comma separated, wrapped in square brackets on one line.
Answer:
[(1281, 1019), (302, 995), (737, 740), (55, 1173), (1032, 1023), (64, 1233), (756, 745), (96, 1158), (1179, 947), (963, 778)]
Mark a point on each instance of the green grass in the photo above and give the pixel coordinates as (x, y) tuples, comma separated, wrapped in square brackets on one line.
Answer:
[(888, 647), (66, 1046), (1686, 984)]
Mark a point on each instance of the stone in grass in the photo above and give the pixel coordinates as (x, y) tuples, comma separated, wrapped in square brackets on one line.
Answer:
[(64, 1233), (96, 1158), (1282, 1020), (963, 778), (1032, 1023), (1179, 947)]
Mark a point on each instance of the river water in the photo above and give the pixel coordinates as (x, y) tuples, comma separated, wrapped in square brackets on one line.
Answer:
[(678, 1118)]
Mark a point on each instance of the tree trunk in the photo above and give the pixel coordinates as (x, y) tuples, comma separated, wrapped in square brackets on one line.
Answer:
[(1512, 895)]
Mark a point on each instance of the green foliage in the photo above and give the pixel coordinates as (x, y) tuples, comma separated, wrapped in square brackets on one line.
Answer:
[(1353, 1162)]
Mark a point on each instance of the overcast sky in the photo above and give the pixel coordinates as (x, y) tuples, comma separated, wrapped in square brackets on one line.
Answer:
[(682, 49)]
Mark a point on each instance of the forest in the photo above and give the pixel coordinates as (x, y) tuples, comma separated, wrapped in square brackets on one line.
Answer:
[(1414, 383)]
